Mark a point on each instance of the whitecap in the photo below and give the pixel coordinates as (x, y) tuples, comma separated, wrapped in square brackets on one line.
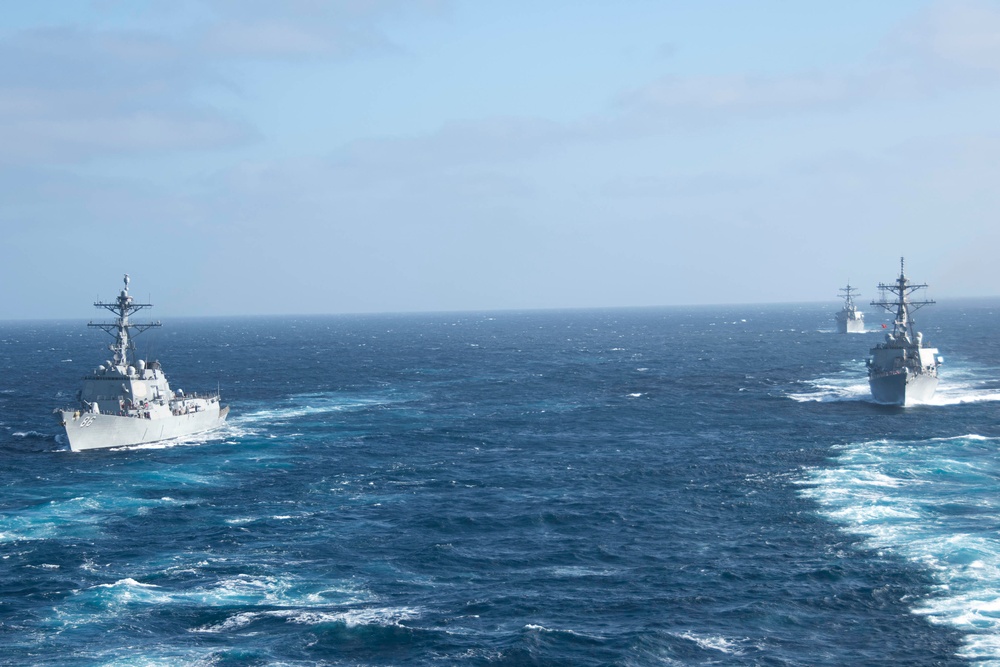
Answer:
[(580, 571), (127, 582), (369, 616), (534, 627), (713, 642), (31, 434)]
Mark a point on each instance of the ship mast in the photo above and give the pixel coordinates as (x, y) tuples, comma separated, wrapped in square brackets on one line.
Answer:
[(848, 293), (122, 307), (902, 305)]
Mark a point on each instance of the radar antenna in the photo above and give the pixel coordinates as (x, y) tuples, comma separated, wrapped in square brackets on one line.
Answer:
[(122, 308), (848, 293), (901, 304)]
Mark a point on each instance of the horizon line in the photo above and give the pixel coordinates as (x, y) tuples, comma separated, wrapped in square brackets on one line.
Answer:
[(540, 309)]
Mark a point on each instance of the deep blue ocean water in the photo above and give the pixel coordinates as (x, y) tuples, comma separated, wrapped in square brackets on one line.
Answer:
[(677, 486)]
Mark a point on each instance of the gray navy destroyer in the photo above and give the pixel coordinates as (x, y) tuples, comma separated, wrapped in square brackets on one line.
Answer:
[(124, 404), (850, 319), (901, 371)]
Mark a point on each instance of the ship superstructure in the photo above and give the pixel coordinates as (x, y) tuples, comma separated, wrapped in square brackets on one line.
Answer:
[(127, 401), (901, 371), (849, 318)]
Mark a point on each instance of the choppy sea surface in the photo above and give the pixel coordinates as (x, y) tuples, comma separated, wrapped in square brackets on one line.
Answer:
[(677, 486)]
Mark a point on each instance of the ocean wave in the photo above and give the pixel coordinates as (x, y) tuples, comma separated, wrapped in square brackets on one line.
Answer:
[(534, 627), (581, 571), (249, 598), (33, 435), (159, 656), (124, 592), (241, 591), (71, 517), (351, 618), (714, 642), (127, 582)]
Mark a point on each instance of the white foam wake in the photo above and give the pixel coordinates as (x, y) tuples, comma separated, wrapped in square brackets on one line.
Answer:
[(964, 383), (715, 642), (304, 405), (933, 502), (848, 384), (367, 616)]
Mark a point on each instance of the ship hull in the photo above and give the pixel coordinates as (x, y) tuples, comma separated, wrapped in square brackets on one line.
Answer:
[(850, 326), (903, 388), (100, 431)]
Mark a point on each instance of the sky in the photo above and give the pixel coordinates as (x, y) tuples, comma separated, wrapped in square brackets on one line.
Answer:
[(250, 157)]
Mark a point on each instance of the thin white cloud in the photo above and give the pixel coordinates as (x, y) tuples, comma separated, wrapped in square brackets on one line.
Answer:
[(965, 33), (305, 28), (68, 95), (69, 139), (285, 39), (950, 46)]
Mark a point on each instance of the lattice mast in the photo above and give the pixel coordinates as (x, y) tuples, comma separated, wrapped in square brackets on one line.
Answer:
[(902, 305), (123, 307), (848, 293)]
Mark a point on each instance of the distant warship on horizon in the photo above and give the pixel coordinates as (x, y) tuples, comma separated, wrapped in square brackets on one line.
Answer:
[(123, 404), (849, 318), (901, 371)]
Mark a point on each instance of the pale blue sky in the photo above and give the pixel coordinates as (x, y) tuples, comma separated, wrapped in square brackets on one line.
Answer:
[(255, 157)]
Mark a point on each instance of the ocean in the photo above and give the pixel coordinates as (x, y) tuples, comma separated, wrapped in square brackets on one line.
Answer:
[(670, 486)]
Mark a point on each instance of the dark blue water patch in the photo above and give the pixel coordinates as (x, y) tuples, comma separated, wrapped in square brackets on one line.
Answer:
[(577, 488)]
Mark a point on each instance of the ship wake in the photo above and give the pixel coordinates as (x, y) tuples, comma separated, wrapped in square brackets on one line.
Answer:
[(932, 502), (848, 384), (305, 405)]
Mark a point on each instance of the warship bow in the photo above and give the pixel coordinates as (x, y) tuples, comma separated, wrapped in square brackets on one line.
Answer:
[(901, 371), (127, 401), (849, 318)]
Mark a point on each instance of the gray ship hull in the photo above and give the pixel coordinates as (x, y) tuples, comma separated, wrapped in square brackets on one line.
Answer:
[(98, 431), (850, 326), (903, 388), (901, 371)]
